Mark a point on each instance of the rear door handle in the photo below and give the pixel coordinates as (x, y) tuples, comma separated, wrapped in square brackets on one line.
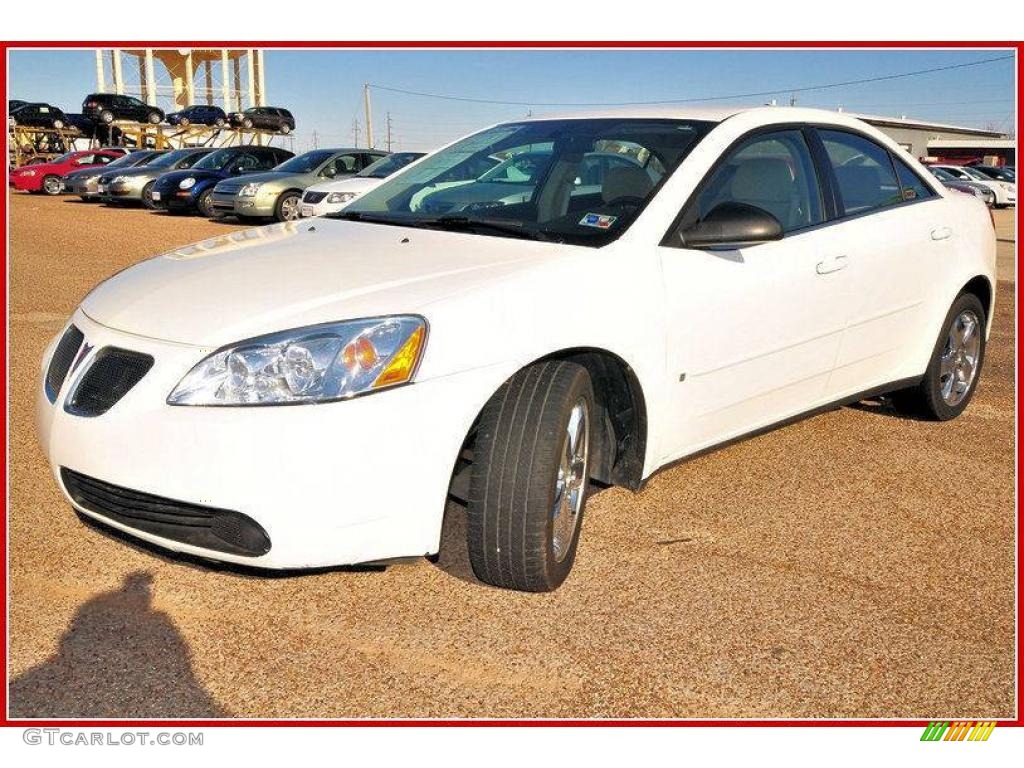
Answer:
[(941, 233), (831, 264)]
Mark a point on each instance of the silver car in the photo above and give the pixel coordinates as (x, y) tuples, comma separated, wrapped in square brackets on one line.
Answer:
[(135, 185), (85, 182), (277, 192)]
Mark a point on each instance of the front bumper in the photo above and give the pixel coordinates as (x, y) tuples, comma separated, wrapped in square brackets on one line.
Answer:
[(87, 187), (319, 209), (27, 183), (235, 205), (331, 484), (120, 190)]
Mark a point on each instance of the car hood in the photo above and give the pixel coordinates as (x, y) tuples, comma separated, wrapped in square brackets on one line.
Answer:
[(293, 274), (93, 170), (198, 175), (351, 184), (278, 177), (132, 172)]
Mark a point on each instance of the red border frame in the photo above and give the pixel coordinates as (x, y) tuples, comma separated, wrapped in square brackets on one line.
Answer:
[(5, 46)]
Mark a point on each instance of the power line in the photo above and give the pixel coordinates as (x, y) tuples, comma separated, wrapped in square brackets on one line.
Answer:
[(801, 89)]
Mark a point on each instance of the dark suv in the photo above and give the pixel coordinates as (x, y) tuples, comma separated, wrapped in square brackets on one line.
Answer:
[(108, 107), (270, 118), (199, 114), (190, 190), (40, 116)]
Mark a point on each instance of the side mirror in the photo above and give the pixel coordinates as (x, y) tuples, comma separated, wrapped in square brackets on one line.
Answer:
[(733, 224)]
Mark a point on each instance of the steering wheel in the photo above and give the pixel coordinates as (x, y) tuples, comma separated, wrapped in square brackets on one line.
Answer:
[(626, 201)]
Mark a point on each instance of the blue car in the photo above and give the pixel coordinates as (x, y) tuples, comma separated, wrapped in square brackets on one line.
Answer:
[(190, 190), (199, 114)]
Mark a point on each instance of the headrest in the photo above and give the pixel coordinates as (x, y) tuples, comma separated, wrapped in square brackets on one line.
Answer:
[(762, 178), (625, 181)]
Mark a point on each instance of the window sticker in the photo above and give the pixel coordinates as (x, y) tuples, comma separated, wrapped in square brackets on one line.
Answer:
[(597, 220)]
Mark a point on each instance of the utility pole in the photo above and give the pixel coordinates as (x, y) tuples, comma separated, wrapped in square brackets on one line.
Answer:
[(388, 142), (316, 140), (369, 116), (355, 131), (792, 100)]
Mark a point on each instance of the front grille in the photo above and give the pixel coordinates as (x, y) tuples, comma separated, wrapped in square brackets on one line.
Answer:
[(313, 197), (60, 363), (222, 530), (225, 188), (112, 373)]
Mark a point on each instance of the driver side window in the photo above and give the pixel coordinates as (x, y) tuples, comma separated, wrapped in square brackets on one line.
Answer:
[(771, 171)]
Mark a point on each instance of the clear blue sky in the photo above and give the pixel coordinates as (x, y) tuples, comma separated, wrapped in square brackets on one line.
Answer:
[(324, 88)]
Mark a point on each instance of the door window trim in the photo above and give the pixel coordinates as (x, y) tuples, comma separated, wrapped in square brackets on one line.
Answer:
[(828, 186)]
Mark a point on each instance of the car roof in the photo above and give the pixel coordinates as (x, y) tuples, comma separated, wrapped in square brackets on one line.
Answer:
[(716, 114)]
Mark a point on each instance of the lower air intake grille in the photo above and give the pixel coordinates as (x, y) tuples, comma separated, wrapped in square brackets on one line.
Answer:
[(112, 373), (218, 529), (60, 363), (313, 197)]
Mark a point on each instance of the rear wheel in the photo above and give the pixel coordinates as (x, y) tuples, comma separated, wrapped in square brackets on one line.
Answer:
[(154, 118), (953, 371), (286, 128), (530, 477), (58, 124), (52, 185), (183, 122), (219, 122), (287, 207), (247, 123), (107, 116)]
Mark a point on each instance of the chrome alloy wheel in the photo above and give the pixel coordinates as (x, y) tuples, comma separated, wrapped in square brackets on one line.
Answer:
[(52, 185), (960, 357), (290, 208), (571, 481)]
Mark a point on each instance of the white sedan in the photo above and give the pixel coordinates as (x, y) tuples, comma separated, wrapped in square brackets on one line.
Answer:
[(1005, 191), (332, 196), (312, 393)]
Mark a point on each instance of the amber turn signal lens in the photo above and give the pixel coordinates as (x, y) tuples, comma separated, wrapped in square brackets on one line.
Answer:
[(360, 353), (402, 365)]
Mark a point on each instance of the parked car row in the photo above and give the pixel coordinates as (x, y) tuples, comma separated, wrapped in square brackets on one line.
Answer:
[(103, 109), (245, 182), (997, 186)]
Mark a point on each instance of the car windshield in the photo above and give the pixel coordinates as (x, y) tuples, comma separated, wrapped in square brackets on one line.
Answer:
[(581, 181), (306, 163), (384, 167), (132, 159), (995, 173), (942, 175), (216, 161), (65, 157)]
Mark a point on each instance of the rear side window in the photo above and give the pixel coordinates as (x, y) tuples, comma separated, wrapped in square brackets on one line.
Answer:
[(911, 184), (864, 172), (770, 171)]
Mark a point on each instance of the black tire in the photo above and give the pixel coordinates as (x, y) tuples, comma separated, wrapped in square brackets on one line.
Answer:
[(219, 122), (58, 124), (107, 116), (286, 129), (52, 185), (155, 118), (247, 123), (280, 213), (513, 487), (147, 196), (204, 204), (926, 400), (183, 122)]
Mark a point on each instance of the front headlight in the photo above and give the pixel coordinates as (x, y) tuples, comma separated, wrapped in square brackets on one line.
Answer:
[(187, 183), (341, 197), (249, 190), (313, 364)]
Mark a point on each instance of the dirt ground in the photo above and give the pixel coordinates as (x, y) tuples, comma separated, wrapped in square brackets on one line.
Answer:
[(857, 564)]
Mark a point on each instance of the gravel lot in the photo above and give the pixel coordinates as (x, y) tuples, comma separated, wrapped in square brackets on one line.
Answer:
[(857, 564)]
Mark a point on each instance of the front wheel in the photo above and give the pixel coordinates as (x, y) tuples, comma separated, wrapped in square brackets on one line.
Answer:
[(107, 116), (205, 204), (183, 122), (247, 123), (287, 207), (286, 129), (147, 196), (154, 118), (219, 122), (955, 366), (529, 482), (52, 185), (58, 124)]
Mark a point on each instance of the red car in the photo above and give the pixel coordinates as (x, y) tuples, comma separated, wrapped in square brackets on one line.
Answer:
[(49, 177)]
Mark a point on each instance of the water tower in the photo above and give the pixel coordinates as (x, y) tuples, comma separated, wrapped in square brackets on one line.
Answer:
[(173, 78)]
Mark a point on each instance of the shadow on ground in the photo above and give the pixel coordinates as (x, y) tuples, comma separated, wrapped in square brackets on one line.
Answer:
[(120, 657)]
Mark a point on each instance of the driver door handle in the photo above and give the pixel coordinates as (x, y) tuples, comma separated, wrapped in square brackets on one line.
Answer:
[(831, 264)]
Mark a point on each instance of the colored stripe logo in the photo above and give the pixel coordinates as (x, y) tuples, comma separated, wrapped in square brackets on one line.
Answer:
[(960, 730)]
